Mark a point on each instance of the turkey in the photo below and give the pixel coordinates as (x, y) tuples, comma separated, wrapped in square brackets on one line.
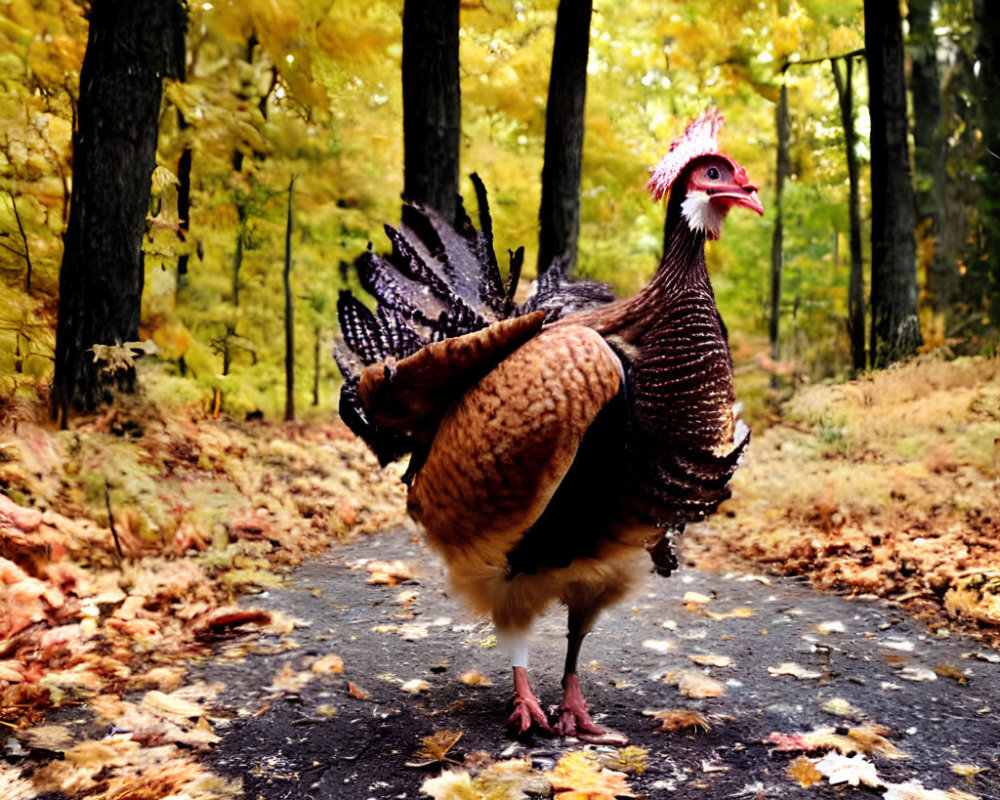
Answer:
[(558, 444)]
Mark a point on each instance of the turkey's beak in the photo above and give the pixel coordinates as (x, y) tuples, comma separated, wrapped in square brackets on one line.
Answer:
[(745, 196)]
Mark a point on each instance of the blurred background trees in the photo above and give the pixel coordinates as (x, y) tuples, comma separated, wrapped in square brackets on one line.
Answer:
[(281, 88)]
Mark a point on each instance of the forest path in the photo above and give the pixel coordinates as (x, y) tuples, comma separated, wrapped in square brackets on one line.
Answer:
[(858, 661)]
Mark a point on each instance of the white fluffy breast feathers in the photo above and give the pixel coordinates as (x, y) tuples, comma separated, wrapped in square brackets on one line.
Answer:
[(701, 214)]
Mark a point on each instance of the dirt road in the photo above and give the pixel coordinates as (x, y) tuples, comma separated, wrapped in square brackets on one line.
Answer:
[(786, 660)]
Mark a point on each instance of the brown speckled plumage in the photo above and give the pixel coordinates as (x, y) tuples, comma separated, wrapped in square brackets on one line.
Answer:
[(547, 459)]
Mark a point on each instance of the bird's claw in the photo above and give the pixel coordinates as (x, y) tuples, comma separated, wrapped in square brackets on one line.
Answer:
[(576, 723), (528, 715), (574, 720)]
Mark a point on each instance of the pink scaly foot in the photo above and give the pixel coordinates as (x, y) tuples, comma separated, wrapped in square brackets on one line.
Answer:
[(528, 712), (575, 721)]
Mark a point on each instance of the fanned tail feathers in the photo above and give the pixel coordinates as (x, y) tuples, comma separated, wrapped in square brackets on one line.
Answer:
[(440, 281)]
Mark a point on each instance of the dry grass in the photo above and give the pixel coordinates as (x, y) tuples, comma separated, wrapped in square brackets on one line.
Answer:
[(888, 485)]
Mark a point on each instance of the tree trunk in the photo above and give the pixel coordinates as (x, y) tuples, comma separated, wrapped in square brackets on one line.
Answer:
[(132, 45), (183, 203), (987, 27), (856, 280), (895, 332), (432, 107), (316, 367), (289, 314), (930, 153), (559, 214), (783, 168)]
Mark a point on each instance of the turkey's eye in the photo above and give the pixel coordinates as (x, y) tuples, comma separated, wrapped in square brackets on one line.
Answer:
[(713, 173)]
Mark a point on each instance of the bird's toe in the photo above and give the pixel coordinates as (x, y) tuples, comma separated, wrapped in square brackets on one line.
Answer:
[(527, 716)]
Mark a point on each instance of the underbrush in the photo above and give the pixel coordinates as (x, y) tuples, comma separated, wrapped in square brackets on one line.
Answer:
[(889, 485)]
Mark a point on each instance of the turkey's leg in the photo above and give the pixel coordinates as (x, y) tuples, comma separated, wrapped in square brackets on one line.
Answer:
[(528, 713), (574, 719)]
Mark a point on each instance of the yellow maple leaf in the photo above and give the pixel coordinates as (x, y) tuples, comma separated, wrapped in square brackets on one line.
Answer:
[(804, 771), (577, 776), (436, 748)]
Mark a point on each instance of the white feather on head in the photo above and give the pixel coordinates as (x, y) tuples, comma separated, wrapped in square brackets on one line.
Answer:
[(700, 138)]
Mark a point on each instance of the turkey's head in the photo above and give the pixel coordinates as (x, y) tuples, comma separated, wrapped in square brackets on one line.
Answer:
[(711, 183), (715, 184)]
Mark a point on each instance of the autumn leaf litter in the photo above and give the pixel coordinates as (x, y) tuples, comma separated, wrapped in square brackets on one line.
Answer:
[(206, 510)]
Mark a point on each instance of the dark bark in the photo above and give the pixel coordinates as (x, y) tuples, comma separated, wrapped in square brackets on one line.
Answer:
[(559, 215), (242, 231), (316, 367), (289, 314), (24, 242), (930, 153), (432, 108), (132, 46), (855, 281), (783, 169), (184, 164), (987, 51), (895, 332)]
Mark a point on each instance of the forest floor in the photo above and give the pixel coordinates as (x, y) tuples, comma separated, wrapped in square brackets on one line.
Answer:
[(271, 627)]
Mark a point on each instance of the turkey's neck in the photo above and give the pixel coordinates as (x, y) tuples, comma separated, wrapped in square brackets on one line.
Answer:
[(682, 271)]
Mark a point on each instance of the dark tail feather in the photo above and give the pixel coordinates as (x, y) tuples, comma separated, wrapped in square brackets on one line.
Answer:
[(492, 289), (361, 330), (440, 281)]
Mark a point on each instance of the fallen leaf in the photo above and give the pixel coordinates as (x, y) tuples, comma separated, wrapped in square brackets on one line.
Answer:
[(288, 680), (416, 686), (454, 784), (967, 771), (695, 598), (407, 598), (328, 665), (915, 673), (171, 706), (475, 678), (795, 670), (11, 671), (803, 770), (852, 770), (577, 776), (710, 660), (868, 739), (413, 632), (736, 613), (840, 707), (631, 760), (48, 737), (221, 621), (697, 685), (679, 719), (503, 780), (436, 748), (833, 626), (951, 671), (358, 692), (389, 573)]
